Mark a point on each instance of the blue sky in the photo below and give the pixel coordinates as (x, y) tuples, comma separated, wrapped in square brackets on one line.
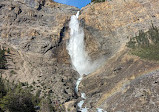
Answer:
[(76, 3)]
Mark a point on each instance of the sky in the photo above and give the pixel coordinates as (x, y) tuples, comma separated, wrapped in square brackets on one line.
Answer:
[(76, 3)]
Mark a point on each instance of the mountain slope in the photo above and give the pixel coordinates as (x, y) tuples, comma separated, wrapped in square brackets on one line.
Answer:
[(34, 32), (125, 82)]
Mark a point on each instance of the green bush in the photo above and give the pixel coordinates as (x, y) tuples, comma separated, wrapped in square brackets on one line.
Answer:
[(146, 44), (3, 60), (14, 98), (18, 102), (3, 91)]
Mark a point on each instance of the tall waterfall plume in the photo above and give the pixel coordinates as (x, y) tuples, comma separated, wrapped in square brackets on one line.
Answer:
[(76, 48), (79, 57)]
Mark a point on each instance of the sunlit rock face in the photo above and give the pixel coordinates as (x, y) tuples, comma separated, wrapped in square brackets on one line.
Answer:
[(108, 26)]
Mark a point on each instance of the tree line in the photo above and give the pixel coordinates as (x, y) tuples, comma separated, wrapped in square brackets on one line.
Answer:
[(145, 39), (146, 44), (98, 1)]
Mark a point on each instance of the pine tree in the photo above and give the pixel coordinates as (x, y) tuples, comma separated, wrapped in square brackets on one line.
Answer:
[(98, 1), (2, 59)]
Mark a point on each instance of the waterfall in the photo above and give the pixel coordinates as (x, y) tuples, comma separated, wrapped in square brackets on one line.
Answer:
[(76, 47), (79, 57)]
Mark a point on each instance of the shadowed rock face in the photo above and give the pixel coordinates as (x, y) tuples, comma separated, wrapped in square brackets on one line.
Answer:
[(140, 95), (35, 31)]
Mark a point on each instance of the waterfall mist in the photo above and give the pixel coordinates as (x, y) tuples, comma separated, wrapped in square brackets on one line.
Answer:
[(76, 49), (79, 57)]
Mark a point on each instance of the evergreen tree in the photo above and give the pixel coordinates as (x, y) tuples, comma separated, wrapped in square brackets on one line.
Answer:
[(2, 59), (98, 1)]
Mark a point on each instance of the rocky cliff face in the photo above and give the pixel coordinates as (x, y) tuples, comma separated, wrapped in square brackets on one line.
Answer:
[(110, 24), (36, 32), (122, 83)]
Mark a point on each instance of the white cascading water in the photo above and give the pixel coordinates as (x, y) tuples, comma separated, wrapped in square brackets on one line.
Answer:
[(76, 47), (79, 57)]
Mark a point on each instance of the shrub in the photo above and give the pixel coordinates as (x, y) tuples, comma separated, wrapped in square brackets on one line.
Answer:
[(14, 98), (3, 91), (18, 102), (146, 44), (2, 59)]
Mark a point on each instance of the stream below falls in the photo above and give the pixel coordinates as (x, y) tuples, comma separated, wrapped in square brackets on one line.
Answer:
[(79, 57)]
